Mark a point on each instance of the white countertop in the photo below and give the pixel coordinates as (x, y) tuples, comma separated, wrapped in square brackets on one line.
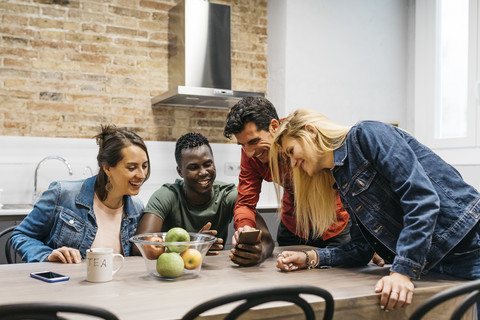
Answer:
[(266, 206), (25, 212), (15, 209), (14, 212)]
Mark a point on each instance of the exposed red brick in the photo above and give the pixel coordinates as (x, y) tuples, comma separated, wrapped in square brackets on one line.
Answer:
[(128, 12), (70, 65), (157, 5)]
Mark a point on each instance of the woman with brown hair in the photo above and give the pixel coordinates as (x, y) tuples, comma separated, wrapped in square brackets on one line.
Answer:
[(101, 211)]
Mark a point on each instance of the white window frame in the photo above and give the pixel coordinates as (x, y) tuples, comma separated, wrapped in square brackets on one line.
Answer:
[(425, 82)]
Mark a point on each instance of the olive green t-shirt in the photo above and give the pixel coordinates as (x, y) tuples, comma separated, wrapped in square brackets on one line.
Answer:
[(170, 204)]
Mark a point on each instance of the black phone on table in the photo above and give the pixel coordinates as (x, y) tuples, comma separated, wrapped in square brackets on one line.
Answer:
[(49, 276), (250, 236)]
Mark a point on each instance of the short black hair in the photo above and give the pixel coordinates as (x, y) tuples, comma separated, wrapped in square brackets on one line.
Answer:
[(189, 141), (250, 109)]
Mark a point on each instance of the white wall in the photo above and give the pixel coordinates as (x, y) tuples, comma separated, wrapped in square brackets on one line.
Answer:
[(345, 58), (351, 60), (20, 155)]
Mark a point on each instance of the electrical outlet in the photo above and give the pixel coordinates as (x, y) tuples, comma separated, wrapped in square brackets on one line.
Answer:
[(232, 168)]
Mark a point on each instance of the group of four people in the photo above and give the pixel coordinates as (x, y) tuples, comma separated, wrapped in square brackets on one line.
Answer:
[(371, 190)]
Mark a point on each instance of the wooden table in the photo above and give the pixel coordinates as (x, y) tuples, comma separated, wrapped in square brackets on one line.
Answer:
[(135, 295)]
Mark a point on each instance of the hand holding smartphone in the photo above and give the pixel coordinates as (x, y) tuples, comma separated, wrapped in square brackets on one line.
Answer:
[(49, 276), (250, 236)]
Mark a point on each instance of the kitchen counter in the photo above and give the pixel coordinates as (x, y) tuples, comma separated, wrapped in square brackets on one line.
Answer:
[(267, 207), (15, 210)]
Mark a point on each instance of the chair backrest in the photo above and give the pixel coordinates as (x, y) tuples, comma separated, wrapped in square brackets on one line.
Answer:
[(257, 297), (5, 233), (472, 288), (48, 311)]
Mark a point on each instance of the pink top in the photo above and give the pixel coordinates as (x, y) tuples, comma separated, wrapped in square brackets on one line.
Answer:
[(108, 222)]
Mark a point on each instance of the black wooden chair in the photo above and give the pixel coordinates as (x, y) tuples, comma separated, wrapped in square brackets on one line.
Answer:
[(9, 252), (48, 311), (257, 297), (471, 288)]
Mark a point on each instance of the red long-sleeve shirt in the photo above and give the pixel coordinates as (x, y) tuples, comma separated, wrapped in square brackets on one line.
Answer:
[(252, 174)]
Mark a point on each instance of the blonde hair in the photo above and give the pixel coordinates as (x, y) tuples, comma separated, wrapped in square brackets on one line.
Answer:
[(314, 195)]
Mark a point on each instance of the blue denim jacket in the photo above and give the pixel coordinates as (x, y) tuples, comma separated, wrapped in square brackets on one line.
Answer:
[(407, 204), (64, 216)]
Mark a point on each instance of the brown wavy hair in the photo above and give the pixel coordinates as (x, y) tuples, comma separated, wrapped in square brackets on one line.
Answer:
[(111, 141)]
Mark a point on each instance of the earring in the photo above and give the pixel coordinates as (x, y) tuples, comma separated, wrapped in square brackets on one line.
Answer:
[(108, 186)]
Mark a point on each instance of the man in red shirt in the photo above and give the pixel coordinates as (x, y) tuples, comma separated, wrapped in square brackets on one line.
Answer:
[(253, 121)]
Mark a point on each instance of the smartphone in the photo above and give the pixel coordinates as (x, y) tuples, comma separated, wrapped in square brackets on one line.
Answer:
[(49, 276), (250, 236)]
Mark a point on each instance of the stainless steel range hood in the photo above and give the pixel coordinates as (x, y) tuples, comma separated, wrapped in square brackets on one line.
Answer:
[(199, 62)]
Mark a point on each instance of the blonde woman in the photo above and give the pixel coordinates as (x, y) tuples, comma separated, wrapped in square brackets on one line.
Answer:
[(407, 204)]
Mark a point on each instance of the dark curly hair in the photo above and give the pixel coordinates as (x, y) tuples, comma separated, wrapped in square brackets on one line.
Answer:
[(250, 109), (189, 141), (111, 141)]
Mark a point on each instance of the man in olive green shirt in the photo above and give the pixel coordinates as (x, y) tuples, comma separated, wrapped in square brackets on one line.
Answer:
[(197, 203), (170, 204)]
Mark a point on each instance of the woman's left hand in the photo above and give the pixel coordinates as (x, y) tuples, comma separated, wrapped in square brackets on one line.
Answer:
[(213, 251), (65, 255), (396, 291), (291, 261)]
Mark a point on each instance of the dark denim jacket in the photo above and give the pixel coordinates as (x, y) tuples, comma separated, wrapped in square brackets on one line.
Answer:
[(64, 217), (408, 204)]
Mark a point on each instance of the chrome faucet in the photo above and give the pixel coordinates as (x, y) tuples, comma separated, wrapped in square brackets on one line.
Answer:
[(36, 195), (88, 168)]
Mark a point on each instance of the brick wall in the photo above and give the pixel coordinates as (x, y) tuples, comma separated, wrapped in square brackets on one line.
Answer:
[(67, 66)]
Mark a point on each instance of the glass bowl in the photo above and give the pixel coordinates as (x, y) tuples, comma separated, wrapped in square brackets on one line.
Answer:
[(164, 259)]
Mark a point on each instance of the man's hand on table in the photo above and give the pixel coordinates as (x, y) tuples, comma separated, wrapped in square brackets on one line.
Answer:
[(376, 259), (245, 254), (213, 251)]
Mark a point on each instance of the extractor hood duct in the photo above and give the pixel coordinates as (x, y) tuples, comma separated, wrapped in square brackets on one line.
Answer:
[(199, 63)]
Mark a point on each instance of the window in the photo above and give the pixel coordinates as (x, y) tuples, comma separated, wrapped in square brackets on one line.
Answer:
[(452, 69), (446, 57)]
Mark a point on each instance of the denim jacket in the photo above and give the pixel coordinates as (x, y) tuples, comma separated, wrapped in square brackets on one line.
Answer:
[(64, 216), (407, 204)]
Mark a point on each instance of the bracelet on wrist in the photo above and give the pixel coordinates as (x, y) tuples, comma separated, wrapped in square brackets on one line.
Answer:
[(306, 258), (310, 264), (317, 259)]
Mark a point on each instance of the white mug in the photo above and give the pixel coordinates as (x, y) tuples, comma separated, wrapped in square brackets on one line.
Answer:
[(100, 264)]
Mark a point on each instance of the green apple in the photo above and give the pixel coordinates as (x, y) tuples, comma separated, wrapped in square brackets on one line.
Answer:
[(170, 265), (177, 235)]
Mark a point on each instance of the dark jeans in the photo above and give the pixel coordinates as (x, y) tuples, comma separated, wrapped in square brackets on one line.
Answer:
[(287, 238), (463, 265)]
